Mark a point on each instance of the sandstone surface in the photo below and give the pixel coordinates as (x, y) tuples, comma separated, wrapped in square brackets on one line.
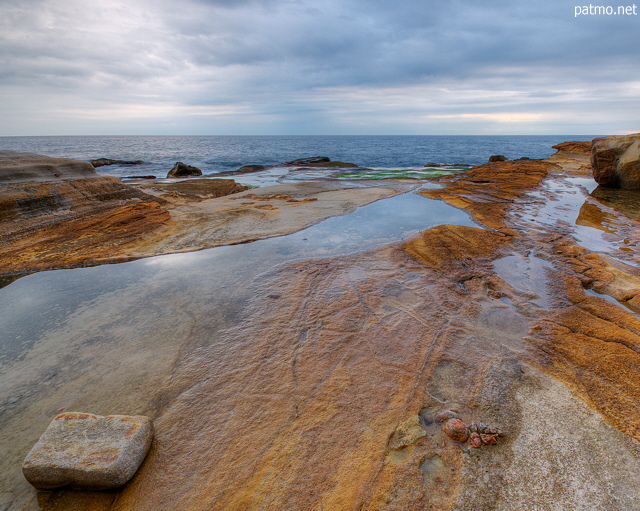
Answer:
[(616, 161), (35, 167), (86, 451), (318, 383)]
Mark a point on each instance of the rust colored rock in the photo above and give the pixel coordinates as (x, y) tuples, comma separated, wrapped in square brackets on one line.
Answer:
[(616, 161), (456, 430), (476, 441), (86, 451), (489, 439), (488, 204), (575, 147)]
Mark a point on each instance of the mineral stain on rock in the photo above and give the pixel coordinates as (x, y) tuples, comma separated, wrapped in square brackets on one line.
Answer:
[(251, 396)]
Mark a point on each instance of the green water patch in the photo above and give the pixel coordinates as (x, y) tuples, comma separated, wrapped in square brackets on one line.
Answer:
[(407, 173)]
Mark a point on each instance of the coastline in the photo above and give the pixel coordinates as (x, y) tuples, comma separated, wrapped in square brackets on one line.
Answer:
[(498, 321)]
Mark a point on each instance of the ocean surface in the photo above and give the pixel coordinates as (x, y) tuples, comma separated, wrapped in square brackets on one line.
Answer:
[(214, 154)]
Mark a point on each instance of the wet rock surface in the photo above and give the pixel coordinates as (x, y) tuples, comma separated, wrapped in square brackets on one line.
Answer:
[(324, 386), (86, 451), (183, 170)]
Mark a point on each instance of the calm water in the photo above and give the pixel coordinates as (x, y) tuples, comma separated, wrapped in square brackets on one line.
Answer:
[(215, 154)]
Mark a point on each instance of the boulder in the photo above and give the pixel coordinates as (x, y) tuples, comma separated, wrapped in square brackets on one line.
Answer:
[(308, 161), (183, 170), (100, 162), (16, 167), (497, 157), (615, 161), (90, 452)]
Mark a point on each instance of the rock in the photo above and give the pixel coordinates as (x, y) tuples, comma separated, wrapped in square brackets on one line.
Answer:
[(183, 170), (456, 430), (497, 157), (251, 168), (138, 177), (407, 433), (615, 161), (204, 188), (86, 451), (16, 167), (332, 164), (574, 147), (309, 161), (100, 162)]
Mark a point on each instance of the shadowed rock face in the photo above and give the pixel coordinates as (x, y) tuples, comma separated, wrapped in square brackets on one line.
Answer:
[(616, 161), (183, 170)]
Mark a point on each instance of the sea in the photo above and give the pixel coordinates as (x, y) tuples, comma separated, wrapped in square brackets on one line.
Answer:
[(215, 154)]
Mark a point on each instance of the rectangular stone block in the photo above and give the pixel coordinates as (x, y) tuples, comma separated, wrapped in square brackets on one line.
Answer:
[(86, 451)]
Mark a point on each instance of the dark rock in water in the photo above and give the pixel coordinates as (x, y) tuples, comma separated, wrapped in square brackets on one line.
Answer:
[(432, 164), (497, 157), (333, 164), (309, 161), (615, 161), (251, 168), (86, 451), (138, 177), (100, 162), (183, 170), (523, 158)]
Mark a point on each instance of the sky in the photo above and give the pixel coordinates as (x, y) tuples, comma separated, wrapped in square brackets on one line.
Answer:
[(344, 67)]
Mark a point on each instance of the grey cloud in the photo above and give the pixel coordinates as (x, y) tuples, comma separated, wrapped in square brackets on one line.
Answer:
[(278, 56)]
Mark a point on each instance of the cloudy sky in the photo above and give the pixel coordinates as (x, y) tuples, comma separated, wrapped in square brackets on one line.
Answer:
[(220, 67)]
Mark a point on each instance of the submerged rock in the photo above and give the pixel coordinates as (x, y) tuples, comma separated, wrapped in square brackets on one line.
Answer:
[(183, 170), (309, 161), (616, 161), (86, 451), (246, 169)]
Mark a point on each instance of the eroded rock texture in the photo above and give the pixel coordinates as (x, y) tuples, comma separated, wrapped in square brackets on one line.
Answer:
[(616, 161), (323, 391)]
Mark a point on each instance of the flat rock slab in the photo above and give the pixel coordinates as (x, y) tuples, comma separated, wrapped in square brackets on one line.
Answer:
[(86, 451), (36, 167)]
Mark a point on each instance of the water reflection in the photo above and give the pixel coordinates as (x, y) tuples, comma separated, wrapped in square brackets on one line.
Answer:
[(106, 339)]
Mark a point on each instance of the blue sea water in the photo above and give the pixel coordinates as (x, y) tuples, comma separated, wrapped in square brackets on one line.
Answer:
[(214, 154)]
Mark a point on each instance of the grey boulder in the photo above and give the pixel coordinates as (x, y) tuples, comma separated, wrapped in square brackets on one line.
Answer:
[(88, 452)]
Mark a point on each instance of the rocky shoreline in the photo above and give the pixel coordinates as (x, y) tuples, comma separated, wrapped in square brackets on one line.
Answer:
[(327, 391)]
